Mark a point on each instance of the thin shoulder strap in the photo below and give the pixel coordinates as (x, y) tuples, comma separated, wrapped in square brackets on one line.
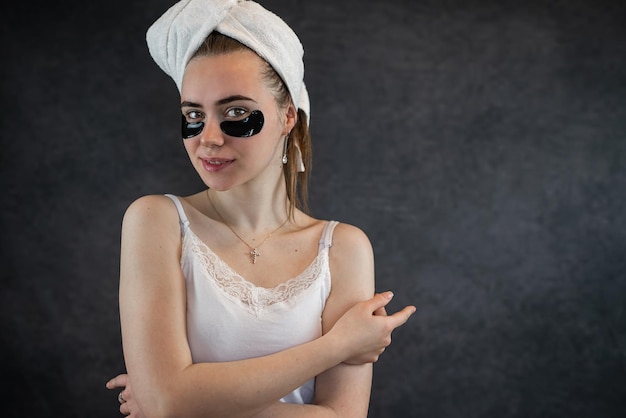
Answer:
[(326, 241), (184, 222)]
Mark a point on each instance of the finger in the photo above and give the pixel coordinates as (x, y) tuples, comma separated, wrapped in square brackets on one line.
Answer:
[(380, 300), (119, 381), (112, 384), (400, 317)]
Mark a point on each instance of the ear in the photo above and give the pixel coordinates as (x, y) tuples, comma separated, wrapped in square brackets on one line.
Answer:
[(291, 117)]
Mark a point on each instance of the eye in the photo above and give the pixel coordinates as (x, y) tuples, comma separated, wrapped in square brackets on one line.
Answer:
[(194, 115), (236, 112)]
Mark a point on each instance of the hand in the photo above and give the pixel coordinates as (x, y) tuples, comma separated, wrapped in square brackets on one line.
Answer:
[(128, 406), (365, 329)]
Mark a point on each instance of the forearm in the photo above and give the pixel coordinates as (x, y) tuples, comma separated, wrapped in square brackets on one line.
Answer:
[(341, 392), (287, 410), (233, 389)]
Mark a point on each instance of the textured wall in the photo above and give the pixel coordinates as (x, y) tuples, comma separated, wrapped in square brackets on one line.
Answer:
[(480, 144)]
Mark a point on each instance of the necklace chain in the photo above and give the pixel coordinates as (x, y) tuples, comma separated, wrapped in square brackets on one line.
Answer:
[(254, 251)]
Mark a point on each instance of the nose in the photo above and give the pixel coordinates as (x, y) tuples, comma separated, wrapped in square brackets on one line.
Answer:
[(212, 135)]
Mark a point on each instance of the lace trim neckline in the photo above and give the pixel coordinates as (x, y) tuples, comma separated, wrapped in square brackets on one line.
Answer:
[(237, 288)]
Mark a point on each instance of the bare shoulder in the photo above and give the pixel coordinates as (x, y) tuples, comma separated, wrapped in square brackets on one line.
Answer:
[(350, 241), (150, 204), (151, 212)]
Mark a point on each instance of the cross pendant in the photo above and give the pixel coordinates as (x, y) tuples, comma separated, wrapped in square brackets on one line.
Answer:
[(254, 253)]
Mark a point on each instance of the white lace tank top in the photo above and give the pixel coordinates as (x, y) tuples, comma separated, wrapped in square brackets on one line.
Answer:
[(229, 318)]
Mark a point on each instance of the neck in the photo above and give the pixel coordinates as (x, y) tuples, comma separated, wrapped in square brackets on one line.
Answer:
[(255, 209)]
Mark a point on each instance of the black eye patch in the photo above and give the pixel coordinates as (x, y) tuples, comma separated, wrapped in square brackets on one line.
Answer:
[(191, 129), (244, 128)]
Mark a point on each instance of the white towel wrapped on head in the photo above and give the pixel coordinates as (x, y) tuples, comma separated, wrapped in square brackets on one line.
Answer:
[(178, 33)]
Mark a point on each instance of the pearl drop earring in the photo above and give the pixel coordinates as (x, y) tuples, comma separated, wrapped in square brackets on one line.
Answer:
[(285, 160)]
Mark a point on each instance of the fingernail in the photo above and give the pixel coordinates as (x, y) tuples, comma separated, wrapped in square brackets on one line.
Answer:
[(389, 294)]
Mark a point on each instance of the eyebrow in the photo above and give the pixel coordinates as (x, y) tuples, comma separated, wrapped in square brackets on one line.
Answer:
[(220, 102)]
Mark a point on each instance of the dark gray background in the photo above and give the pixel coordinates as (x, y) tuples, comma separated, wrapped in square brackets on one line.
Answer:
[(480, 144)]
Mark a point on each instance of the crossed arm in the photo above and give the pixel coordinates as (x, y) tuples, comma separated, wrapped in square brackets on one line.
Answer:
[(163, 381)]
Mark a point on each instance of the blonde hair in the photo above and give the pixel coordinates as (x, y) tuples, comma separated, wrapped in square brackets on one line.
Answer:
[(300, 136)]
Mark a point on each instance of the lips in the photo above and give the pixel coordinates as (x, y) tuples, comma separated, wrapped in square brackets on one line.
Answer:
[(214, 165)]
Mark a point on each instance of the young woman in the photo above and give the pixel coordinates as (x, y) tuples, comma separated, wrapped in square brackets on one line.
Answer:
[(234, 302)]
